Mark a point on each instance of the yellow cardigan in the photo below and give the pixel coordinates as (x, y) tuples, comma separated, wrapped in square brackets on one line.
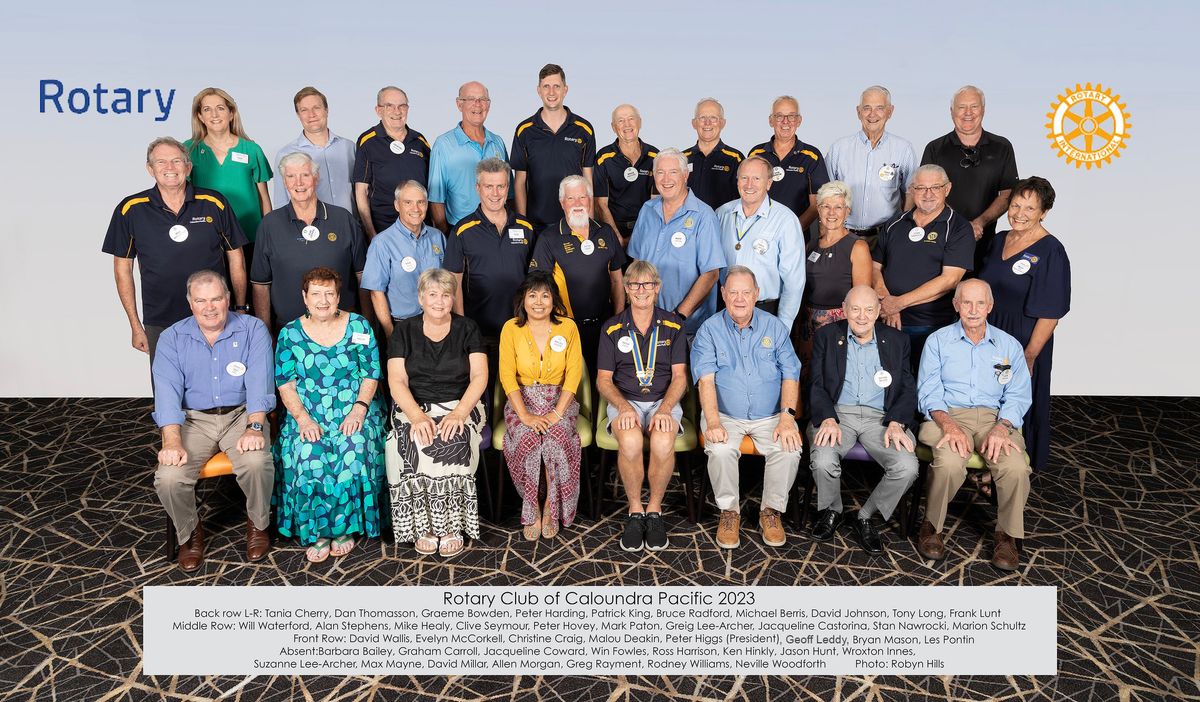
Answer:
[(521, 363)]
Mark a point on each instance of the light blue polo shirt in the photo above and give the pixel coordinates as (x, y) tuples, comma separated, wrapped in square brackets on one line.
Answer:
[(392, 254), (452, 169), (878, 176), (335, 161)]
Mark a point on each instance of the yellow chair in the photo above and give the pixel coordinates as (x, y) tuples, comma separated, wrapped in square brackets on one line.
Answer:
[(216, 467)]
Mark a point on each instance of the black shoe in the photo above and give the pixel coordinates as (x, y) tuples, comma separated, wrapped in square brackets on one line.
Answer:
[(635, 532), (826, 524), (656, 532), (867, 536)]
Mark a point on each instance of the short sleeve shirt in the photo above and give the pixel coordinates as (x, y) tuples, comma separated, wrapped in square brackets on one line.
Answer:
[(452, 169), (617, 345), (383, 166), (976, 182), (713, 178), (236, 178), (493, 265), (626, 185), (438, 371), (912, 256), (581, 268), (395, 261), (547, 157), (799, 174)]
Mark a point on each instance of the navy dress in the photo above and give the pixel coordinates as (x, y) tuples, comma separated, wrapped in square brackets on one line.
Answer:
[(1030, 285)]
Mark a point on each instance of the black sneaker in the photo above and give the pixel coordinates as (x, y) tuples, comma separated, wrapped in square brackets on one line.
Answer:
[(635, 531), (656, 532)]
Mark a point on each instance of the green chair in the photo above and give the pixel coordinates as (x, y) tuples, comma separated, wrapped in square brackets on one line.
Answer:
[(975, 465)]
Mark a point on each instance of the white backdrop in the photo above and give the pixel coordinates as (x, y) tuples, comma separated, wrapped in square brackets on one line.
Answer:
[(1127, 226)]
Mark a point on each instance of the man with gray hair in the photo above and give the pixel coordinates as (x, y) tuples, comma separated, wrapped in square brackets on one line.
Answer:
[(624, 173), (585, 257), (388, 154), (452, 162), (981, 165), (877, 165), (213, 387), (712, 164), (797, 168), (681, 236), (299, 236)]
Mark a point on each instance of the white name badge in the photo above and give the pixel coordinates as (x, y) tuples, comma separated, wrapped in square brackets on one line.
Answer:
[(360, 338), (690, 168), (239, 157), (1021, 267), (887, 173), (678, 240), (236, 368), (916, 234), (776, 174), (760, 246), (178, 233), (631, 174), (408, 264), (558, 344), (397, 147), (516, 234), (587, 247), (625, 344), (882, 378), (814, 256), (310, 233), (1005, 376)]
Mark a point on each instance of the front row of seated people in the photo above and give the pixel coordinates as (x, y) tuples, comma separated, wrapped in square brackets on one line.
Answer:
[(324, 474)]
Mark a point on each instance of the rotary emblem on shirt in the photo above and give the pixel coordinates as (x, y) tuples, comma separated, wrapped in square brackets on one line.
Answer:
[(1088, 125), (687, 223), (437, 250), (931, 237), (767, 343), (331, 236)]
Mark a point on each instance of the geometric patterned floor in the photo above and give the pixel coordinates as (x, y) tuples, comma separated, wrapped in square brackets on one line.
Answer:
[(1113, 524)]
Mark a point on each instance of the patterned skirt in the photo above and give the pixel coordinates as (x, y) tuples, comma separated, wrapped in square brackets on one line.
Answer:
[(525, 451), (433, 488)]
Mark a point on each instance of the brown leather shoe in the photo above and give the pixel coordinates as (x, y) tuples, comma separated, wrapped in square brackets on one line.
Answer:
[(772, 527), (258, 542), (191, 552), (727, 530), (929, 543), (1004, 554)]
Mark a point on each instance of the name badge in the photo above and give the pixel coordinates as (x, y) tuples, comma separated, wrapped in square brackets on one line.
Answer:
[(625, 344), (587, 247), (310, 233), (814, 256), (916, 234), (1021, 267), (516, 235), (631, 174), (178, 233), (1005, 376), (760, 246), (397, 147), (882, 378), (887, 172), (678, 240), (689, 167), (239, 157), (558, 343), (776, 174), (236, 368), (408, 264), (361, 338)]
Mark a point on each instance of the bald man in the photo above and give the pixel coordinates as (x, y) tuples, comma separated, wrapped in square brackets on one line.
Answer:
[(624, 173), (452, 194)]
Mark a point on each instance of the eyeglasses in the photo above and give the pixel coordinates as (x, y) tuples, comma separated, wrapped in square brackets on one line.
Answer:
[(708, 119), (650, 285), (476, 100), (970, 157), (389, 107), (922, 189), (780, 117)]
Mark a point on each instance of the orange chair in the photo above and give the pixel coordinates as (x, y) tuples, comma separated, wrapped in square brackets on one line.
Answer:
[(799, 503), (216, 467)]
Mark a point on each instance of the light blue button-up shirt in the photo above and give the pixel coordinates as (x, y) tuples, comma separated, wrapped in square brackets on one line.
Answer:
[(392, 252), (957, 373), (335, 161), (452, 169), (682, 250), (862, 363), (772, 245), (238, 369), (866, 169), (749, 364)]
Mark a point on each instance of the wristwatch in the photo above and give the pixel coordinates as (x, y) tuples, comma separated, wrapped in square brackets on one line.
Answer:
[(1008, 424), (255, 426), (241, 308), (790, 411)]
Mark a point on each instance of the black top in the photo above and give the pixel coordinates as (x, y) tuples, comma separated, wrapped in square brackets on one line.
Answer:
[(713, 178), (911, 258), (382, 168), (976, 177), (493, 266), (616, 352), (800, 174), (283, 254), (547, 157), (611, 180), (829, 372), (829, 273), (581, 269), (438, 371), (169, 247)]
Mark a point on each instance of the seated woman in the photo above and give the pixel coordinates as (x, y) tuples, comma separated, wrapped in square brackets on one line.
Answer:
[(642, 373), (437, 373), (541, 365), (329, 454)]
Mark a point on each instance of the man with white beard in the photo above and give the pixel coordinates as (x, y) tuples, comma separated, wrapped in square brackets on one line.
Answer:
[(585, 257)]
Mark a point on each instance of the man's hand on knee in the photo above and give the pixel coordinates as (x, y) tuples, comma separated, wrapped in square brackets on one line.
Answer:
[(172, 456)]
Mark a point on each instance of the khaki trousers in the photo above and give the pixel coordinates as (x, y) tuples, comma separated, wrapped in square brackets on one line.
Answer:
[(780, 466)]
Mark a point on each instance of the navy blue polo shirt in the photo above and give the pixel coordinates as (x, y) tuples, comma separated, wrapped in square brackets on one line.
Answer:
[(911, 257), (800, 174), (283, 254), (170, 247), (612, 180), (713, 178), (547, 157), (492, 264), (581, 269), (378, 164), (616, 352)]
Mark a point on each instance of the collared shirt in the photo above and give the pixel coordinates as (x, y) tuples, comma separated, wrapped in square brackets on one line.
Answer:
[(976, 185), (956, 372), (617, 342), (769, 242), (862, 363), (336, 161), (493, 265), (611, 179), (452, 169), (284, 254), (912, 256), (522, 363), (548, 157), (396, 259), (750, 364), (383, 167), (878, 175), (799, 174), (582, 268), (238, 369), (169, 247), (713, 178), (682, 250)]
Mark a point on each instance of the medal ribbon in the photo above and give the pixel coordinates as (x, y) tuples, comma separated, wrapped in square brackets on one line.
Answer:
[(741, 233), (644, 371)]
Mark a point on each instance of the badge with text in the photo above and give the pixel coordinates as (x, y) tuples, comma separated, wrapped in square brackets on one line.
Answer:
[(310, 233), (631, 174), (1004, 372), (678, 240), (397, 147), (814, 256), (776, 174), (587, 247), (236, 368), (239, 157), (178, 233), (1021, 266), (1088, 125), (558, 343), (760, 246), (916, 234), (882, 378), (361, 338), (516, 235), (887, 172), (408, 264), (624, 344)]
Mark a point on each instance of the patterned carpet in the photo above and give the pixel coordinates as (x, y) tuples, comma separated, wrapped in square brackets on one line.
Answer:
[(1112, 525)]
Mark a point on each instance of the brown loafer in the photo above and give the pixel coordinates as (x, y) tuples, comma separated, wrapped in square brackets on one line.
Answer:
[(258, 542), (1004, 554), (191, 552), (929, 543)]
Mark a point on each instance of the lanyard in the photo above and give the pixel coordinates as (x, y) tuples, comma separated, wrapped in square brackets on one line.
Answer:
[(645, 370)]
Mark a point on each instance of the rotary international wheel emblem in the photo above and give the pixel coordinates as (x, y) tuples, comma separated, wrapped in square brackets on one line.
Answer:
[(1088, 125)]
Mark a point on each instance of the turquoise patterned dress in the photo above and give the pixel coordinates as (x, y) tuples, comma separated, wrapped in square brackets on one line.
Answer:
[(329, 487)]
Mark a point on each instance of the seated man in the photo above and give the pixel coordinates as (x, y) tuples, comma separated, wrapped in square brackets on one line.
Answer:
[(974, 386), (862, 391), (642, 373), (749, 382), (213, 387)]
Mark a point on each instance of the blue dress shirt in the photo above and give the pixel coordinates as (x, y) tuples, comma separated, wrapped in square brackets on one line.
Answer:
[(862, 363), (750, 364), (238, 369), (957, 373), (336, 162), (452, 169), (772, 245), (385, 269), (878, 175)]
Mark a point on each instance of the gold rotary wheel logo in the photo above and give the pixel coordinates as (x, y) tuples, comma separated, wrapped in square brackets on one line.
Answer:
[(1088, 125)]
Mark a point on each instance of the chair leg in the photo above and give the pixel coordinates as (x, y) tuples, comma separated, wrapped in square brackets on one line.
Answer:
[(685, 476), (601, 479), (702, 495), (585, 482), (169, 552), (483, 485), (498, 499), (914, 507)]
